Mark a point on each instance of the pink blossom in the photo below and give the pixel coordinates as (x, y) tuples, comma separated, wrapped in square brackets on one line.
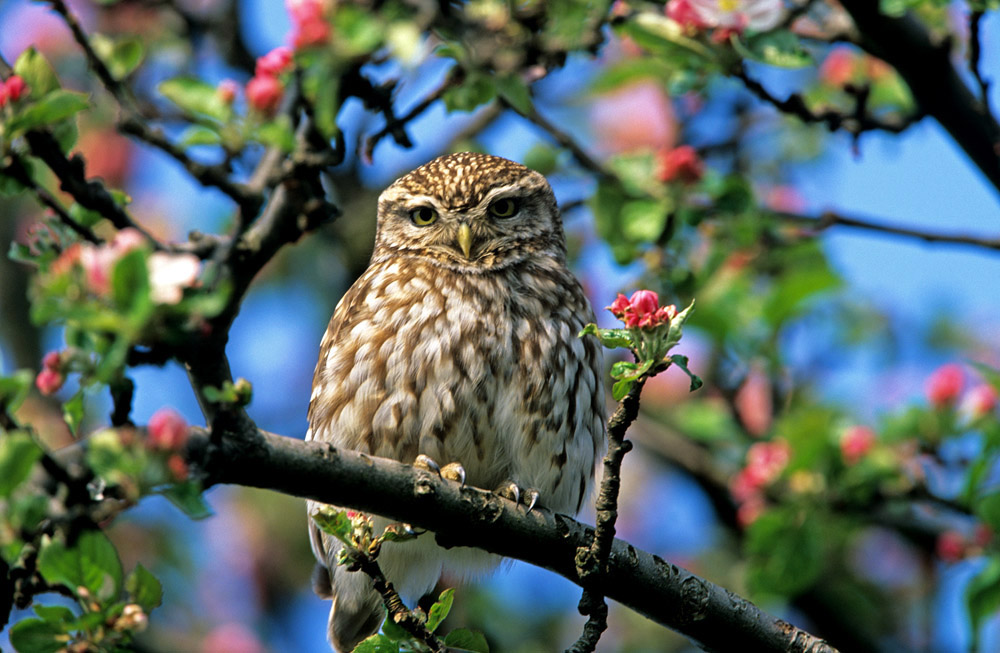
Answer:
[(309, 25), (126, 240), (856, 442), (945, 385), (981, 401), (744, 486), (642, 310), (168, 430), (680, 164), (750, 510), (738, 15), (14, 88), (49, 381), (227, 90), (170, 274), (951, 546), (264, 93), (644, 301), (684, 13), (619, 306), (69, 258), (766, 461), (52, 360), (275, 62), (753, 402), (97, 263), (838, 67)]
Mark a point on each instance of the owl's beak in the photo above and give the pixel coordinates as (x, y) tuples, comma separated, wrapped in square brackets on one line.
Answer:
[(465, 238)]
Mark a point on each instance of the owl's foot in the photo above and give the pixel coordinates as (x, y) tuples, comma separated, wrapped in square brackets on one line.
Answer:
[(511, 490), (451, 471)]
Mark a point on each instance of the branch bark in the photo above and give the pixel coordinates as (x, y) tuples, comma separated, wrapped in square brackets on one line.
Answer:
[(663, 592)]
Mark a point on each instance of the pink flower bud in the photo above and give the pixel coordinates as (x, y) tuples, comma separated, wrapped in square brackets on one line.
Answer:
[(274, 63), (3, 96), (264, 93), (838, 67), (750, 510), (15, 88), (944, 385), (49, 381), (644, 302), (680, 164), (619, 306), (951, 546), (52, 361), (227, 90), (684, 13), (856, 442), (310, 27), (766, 461), (167, 430), (981, 401)]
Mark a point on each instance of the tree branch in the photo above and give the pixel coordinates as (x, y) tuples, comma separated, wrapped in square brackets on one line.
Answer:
[(663, 592), (938, 89)]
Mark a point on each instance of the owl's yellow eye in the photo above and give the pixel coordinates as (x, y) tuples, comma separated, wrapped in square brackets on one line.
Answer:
[(504, 207), (423, 216)]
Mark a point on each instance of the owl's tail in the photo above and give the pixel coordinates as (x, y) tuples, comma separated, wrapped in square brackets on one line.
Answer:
[(356, 612)]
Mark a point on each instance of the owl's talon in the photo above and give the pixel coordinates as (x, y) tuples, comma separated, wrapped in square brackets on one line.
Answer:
[(530, 498), (427, 463), (454, 472), (509, 490)]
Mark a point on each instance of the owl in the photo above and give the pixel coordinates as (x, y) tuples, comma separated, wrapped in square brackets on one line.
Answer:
[(458, 344)]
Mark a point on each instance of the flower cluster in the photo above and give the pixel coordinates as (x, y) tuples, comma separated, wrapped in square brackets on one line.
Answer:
[(309, 25), (52, 376), (725, 17), (169, 274), (764, 464), (842, 66), (680, 164), (168, 432), (642, 310), (952, 546), (12, 90), (945, 386), (265, 89), (855, 443)]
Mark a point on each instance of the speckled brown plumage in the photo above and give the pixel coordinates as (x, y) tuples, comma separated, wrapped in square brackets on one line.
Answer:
[(471, 359)]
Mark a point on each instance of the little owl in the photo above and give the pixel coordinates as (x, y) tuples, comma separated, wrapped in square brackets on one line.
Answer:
[(459, 345)]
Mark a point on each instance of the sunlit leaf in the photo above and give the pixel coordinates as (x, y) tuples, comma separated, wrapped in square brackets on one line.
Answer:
[(18, 454), (377, 644), (462, 639), (188, 497), (785, 552), (144, 588), (37, 73), (54, 107), (92, 562), (439, 611), (121, 56), (196, 97), (36, 636)]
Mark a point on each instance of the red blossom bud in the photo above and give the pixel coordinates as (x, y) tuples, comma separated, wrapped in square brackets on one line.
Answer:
[(856, 442), (951, 546), (619, 306), (838, 67), (15, 88), (684, 13), (945, 385), (49, 381), (52, 360), (310, 27), (227, 90), (274, 63), (749, 511), (168, 430), (644, 301), (3, 96), (178, 467), (680, 164), (766, 461), (264, 93)]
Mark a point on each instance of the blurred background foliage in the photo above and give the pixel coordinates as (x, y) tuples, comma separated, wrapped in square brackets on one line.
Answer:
[(826, 470)]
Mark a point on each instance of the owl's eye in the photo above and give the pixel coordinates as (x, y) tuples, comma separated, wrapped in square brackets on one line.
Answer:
[(423, 216), (504, 207)]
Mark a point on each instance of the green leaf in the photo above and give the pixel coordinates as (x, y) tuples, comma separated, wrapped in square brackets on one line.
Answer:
[(130, 287), (92, 563), (377, 644), (321, 86), (121, 56), (462, 639), (476, 90), (187, 496), (14, 389), (643, 220), (439, 611), (54, 107), (334, 522), (982, 597), (394, 631), (988, 509), (785, 551), (621, 388), (10, 187), (778, 48), (37, 73), (196, 97), (199, 135), (18, 454), (358, 30), (54, 613), (73, 412), (657, 33), (84, 216), (682, 362), (542, 158), (144, 588), (37, 636), (610, 338), (623, 369), (676, 329), (513, 89), (277, 133)]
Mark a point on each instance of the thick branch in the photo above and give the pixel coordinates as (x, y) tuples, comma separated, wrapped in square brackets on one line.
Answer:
[(937, 87), (466, 516)]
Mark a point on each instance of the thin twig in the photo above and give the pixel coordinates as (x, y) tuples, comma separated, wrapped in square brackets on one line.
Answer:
[(830, 219), (564, 140), (975, 54), (592, 561), (398, 612), (119, 91), (19, 173)]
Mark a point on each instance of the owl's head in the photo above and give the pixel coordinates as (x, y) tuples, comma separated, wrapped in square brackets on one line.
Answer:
[(470, 211)]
